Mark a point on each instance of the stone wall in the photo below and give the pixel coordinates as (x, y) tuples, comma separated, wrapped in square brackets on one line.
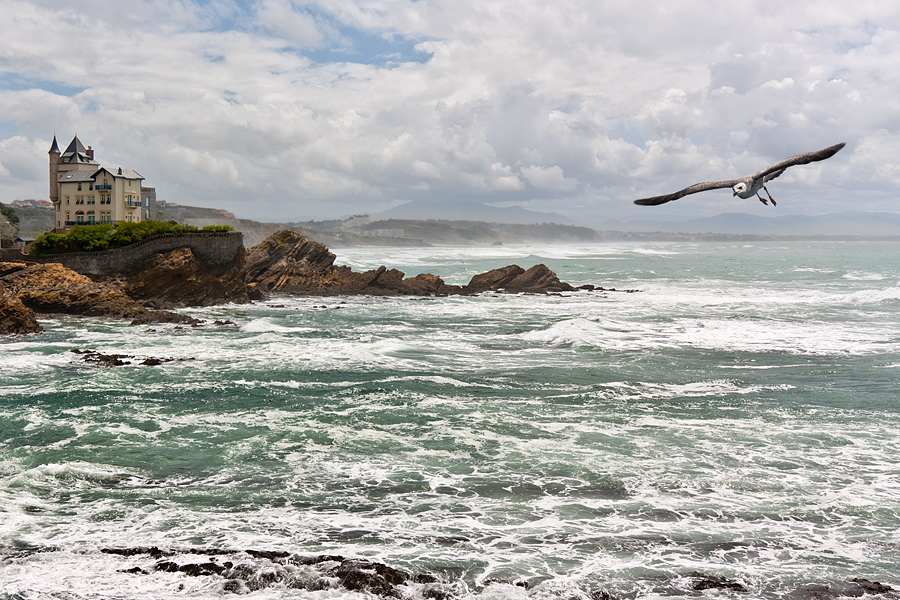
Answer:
[(217, 249)]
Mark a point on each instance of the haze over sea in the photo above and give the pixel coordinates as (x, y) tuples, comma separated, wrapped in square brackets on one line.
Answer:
[(737, 417)]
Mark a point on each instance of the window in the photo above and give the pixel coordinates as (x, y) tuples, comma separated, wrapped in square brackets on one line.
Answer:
[(67, 199), (79, 187), (91, 186), (90, 217), (79, 218)]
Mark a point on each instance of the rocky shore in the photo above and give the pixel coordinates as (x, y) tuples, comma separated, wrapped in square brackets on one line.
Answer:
[(245, 571), (285, 263)]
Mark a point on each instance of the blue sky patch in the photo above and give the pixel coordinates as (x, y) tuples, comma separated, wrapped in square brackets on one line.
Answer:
[(16, 82), (368, 49)]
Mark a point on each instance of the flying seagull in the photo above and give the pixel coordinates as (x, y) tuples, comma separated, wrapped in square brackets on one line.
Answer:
[(745, 187)]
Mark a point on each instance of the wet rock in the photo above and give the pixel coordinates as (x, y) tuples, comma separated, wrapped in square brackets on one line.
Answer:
[(514, 279), (715, 582), (119, 360), (152, 551), (853, 588), (365, 576), (289, 263), (15, 317), (190, 569)]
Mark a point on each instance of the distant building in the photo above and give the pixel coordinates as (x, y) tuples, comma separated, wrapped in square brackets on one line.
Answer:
[(84, 193), (148, 196), (31, 203), (355, 221)]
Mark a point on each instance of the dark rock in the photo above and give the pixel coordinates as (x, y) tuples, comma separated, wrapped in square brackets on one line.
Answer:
[(106, 360), (164, 316), (715, 582), (154, 552), (365, 576), (117, 360), (288, 262), (854, 588), (179, 278), (514, 279), (191, 569)]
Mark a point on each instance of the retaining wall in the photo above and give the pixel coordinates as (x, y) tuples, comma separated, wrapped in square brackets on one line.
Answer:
[(217, 249)]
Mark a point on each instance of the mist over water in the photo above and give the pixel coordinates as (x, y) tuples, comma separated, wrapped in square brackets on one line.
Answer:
[(736, 417)]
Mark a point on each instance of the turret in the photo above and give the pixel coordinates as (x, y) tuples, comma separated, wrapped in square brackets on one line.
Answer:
[(54, 171)]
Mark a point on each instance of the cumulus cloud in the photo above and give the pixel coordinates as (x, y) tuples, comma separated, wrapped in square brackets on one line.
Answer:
[(284, 109)]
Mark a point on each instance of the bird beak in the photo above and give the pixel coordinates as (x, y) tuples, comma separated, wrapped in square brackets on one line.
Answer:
[(733, 194)]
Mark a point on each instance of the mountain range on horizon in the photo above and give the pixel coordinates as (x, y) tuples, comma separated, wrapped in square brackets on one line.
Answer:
[(834, 224), (469, 211)]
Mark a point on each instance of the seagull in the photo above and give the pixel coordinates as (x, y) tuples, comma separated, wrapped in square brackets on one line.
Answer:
[(745, 187)]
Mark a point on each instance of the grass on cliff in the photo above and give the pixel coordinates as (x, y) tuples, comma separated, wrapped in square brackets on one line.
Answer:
[(106, 236)]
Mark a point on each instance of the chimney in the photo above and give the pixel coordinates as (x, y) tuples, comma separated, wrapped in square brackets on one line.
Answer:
[(90, 153), (120, 170)]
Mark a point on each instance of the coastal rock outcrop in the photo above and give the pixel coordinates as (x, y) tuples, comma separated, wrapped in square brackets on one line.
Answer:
[(179, 278), (289, 263), (514, 279), (15, 317), (286, 262), (52, 288)]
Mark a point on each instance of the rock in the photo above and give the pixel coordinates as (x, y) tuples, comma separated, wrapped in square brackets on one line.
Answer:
[(854, 588), (715, 582), (514, 279), (15, 317), (119, 360), (289, 263), (52, 288), (179, 278)]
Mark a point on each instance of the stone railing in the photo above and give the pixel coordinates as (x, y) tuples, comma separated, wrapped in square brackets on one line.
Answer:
[(217, 249)]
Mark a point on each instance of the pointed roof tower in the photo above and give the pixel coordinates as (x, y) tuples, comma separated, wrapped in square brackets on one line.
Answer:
[(54, 147), (77, 153)]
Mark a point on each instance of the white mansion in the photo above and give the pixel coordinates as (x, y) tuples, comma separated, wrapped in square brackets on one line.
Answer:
[(84, 193)]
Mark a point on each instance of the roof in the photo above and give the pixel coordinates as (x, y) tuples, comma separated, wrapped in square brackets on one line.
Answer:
[(76, 176), (75, 152), (55, 146), (122, 173)]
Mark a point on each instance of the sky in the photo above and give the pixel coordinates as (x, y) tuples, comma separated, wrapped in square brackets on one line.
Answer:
[(282, 110)]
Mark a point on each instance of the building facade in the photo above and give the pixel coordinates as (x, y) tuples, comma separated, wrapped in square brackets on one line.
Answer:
[(85, 193)]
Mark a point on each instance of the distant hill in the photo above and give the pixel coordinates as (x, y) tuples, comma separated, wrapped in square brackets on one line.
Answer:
[(368, 231), (469, 211)]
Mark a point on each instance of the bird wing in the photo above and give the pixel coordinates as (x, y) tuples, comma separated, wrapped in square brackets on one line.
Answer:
[(697, 187), (800, 159), (772, 176)]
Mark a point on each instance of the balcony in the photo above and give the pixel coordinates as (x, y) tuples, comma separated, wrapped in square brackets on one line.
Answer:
[(133, 203), (103, 186)]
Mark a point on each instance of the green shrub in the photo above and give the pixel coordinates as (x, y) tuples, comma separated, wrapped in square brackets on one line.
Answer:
[(106, 236)]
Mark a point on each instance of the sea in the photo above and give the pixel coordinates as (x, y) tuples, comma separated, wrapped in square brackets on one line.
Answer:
[(729, 414)]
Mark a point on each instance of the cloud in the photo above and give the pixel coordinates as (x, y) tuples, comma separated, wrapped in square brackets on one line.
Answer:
[(283, 109)]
